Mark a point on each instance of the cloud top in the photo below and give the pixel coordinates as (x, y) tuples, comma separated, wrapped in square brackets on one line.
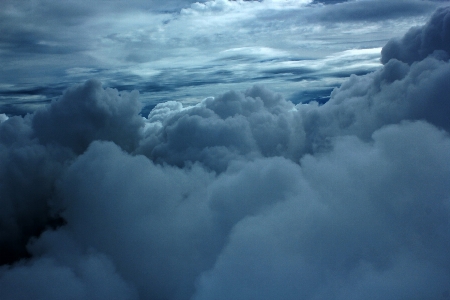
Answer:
[(420, 42), (244, 195)]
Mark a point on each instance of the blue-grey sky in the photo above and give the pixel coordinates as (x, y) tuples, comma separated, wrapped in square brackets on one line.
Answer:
[(186, 51)]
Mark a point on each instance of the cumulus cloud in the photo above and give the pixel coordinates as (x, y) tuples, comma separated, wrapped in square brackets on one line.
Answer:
[(420, 42), (244, 195), (220, 130), (88, 112), (35, 149), (356, 222)]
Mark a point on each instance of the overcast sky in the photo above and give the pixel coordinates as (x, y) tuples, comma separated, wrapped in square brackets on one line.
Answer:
[(172, 151), (186, 51)]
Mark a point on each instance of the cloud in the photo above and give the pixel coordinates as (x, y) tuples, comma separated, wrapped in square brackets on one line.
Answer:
[(328, 1), (369, 10), (420, 42), (89, 277), (356, 219), (154, 223), (88, 112), (3, 118), (166, 49), (27, 176), (244, 195), (219, 130)]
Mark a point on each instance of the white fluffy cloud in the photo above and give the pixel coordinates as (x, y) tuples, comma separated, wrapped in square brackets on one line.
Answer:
[(244, 195)]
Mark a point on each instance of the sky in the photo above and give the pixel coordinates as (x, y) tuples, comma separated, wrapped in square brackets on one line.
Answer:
[(186, 50), (225, 150)]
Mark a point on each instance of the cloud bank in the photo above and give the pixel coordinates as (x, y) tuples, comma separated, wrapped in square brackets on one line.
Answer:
[(243, 196)]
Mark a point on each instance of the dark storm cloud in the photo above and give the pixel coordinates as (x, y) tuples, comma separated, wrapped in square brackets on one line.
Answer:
[(243, 196)]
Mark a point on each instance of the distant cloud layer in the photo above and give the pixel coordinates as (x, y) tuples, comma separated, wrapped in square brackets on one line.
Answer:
[(186, 50), (368, 10), (242, 196)]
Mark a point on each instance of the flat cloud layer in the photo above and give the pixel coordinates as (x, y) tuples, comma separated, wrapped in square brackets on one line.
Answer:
[(242, 196), (185, 50)]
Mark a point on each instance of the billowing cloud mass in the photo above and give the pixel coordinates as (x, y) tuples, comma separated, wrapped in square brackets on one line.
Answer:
[(420, 42), (242, 196)]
